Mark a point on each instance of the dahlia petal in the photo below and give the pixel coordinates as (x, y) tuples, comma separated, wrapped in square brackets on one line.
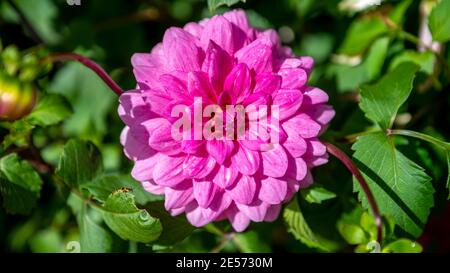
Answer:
[(306, 181), (151, 187), (169, 171), (220, 150), (273, 191), (143, 169), (297, 169), (303, 124), (246, 161), (218, 206), (323, 114), (181, 50), (293, 78), (204, 192), (289, 101), (256, 211), (238, 220), (275, 162), (194, 29), (192, 146), (133, 108), (314, 95), (219, 30), (199, 86), (217, 64), (194, 214), (257, 55), (175, 87), (315, 147), (272, 213), (238, 18), (238, 82), (294, 144), (244, 190), (180, 196), (158, 102), (133, 149), (161, 140), (226, 176), (268, 83), (198, 166)]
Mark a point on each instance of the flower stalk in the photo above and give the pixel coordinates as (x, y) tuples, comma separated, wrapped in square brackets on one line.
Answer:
[(351, 166), (89, 64)]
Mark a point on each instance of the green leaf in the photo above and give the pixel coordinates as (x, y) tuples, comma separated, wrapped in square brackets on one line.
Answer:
[(20, 184), (439, 21), (400, 187), (19, 134), (126, 220), (317, 194), (93, 237), (175, 229), (403, 246), (425, 60), (363, 31), (51, 109), (214, 4), (353, 234), (351, 77), (298, 226), (251, 242), (103, 186), (381, 101), (79, 163)]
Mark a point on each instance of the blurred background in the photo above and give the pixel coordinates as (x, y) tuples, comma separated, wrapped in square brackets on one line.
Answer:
[(351, 47)]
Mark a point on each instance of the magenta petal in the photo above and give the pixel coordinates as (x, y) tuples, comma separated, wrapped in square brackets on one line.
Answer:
[(294, 144), (175, 87), (268, 83), (246, 161), (275, 162), (321, 113), (238, 18), (226, 176), (181, 50), (244, 190), (158, 102), (297, 169), (204, 192), (220, 31), (169, 171), (218, 206), (304, 125), (143, 169), (162, 140), (179, 196), (238, 82), (306, 181), (198, 166), (195, 216), (192, 146), (238, 220), (273, 191), (199, 86), (256, 211), (220, 149), (257, 55), (293, 78), (151, 187), (314, 95), (288, 101), (272, 213), (217, 64), (315, 147), (133, 108)]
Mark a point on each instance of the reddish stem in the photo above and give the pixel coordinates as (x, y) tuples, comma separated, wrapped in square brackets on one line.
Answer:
[(335, 151), (90, 64)]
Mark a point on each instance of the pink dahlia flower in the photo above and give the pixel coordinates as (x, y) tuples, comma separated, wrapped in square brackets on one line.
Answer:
[(224, 61)]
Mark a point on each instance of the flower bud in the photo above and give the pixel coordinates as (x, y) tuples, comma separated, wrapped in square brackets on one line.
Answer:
[(17, 98)]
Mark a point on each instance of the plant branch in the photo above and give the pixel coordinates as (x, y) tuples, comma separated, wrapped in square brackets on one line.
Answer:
[(89, 64), (435, 141), (336, 152), (27, 24)]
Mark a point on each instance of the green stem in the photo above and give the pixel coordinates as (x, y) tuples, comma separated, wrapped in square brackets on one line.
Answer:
[(211, 228), (435, 141)]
